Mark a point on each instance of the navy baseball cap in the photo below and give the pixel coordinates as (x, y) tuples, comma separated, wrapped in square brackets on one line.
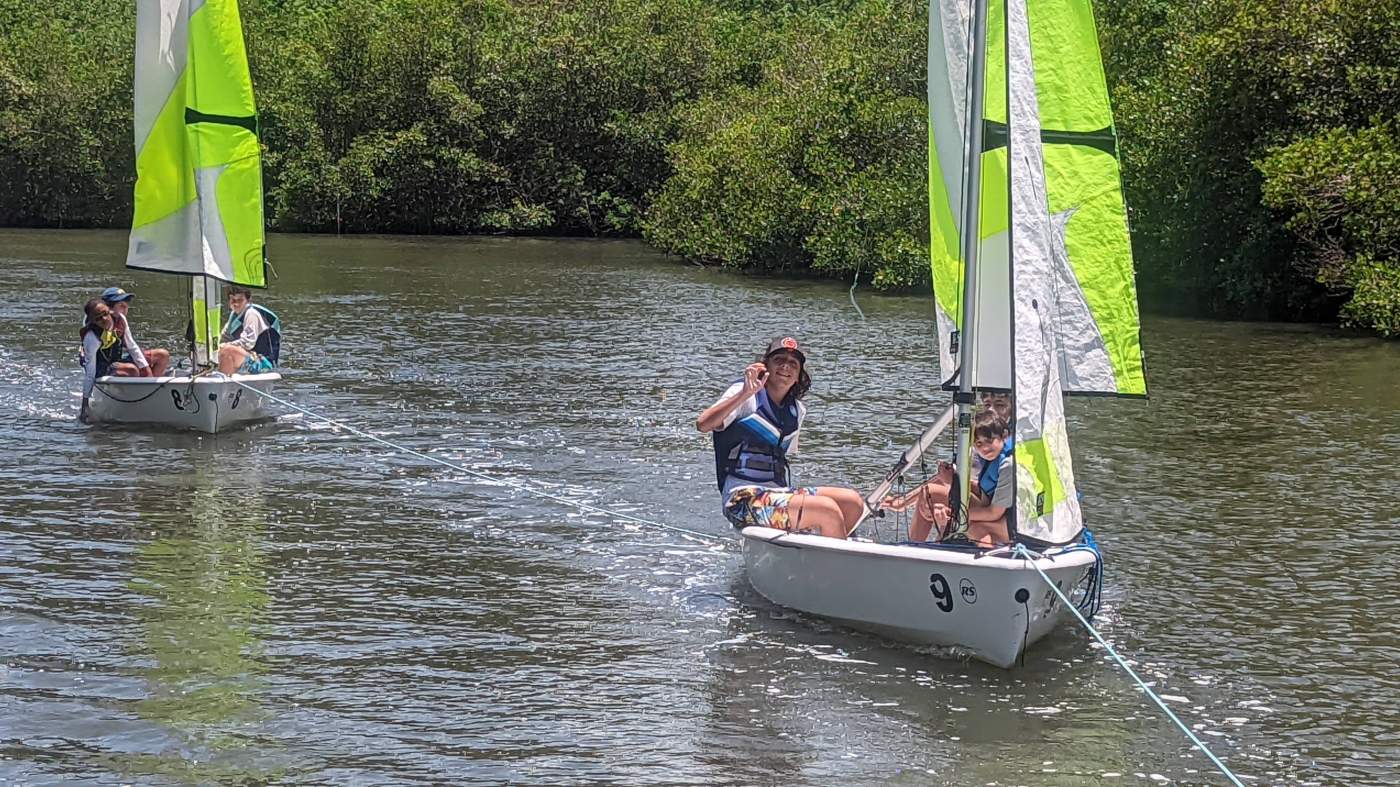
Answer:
[(116, 295), (785, 344)]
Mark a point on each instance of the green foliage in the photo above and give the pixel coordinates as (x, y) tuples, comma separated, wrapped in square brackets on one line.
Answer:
[(776, 135), (1215, 89), (65, 113), (819, 164), (1340, 189)]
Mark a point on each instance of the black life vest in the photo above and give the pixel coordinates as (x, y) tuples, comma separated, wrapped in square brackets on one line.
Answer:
[(754, 448), (109, 350), (269, 342)]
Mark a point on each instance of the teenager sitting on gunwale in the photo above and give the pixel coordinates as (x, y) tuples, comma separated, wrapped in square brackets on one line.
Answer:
[(755, 426)]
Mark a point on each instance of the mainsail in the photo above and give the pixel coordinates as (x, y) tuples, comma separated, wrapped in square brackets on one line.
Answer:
[(1049, 284), (198, 201)]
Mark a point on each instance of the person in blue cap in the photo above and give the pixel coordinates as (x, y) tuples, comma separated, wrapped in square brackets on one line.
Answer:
[(150, 363)]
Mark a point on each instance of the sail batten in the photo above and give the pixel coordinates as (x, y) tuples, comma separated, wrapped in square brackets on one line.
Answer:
[(198, 196)]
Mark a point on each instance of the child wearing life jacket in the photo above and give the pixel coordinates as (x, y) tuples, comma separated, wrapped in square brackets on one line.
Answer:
[(102, 350), (755, 425), (991, 494), (252, 338)]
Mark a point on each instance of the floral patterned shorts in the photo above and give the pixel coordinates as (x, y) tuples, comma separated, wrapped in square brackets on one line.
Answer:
[(757, 506)]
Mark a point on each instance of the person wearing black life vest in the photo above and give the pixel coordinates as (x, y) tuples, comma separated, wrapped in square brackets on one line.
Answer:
[(754, 427), (102, 351), (252, 337)]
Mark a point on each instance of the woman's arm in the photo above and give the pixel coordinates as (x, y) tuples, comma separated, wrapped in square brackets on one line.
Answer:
[(252, 326), (91, 346), (755, 375)]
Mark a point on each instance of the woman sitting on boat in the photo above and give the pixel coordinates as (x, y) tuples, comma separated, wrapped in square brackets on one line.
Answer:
[(992, 493), (755, 425), (102, 350)]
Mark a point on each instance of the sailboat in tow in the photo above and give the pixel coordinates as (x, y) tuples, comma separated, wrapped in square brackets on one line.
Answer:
[(1034, 293), (198, 205)]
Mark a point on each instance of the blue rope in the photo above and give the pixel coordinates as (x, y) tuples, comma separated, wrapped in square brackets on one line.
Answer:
[(1022, 552), (1092, 585), (487, 476)]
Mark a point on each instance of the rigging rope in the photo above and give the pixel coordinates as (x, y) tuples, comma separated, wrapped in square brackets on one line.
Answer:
[(486, 476), (1022, 552), (852, 293)]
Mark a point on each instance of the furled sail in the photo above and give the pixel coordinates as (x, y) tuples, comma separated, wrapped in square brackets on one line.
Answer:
[(1050, 278), (198, 202)]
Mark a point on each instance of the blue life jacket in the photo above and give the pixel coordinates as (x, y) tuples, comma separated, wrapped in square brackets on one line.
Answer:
[(269, 342), (753, 448), (991, 471)]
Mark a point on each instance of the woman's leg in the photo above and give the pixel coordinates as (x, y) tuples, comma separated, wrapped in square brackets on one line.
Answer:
[(159, 360), (850, 502), (816, 511), (988, 533), (124, 370), (231, 357)]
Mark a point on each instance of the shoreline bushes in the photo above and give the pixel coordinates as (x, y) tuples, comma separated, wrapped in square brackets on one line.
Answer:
[(1258, 136)]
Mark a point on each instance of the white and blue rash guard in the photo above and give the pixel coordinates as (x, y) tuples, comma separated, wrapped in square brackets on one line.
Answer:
[(752, 446)]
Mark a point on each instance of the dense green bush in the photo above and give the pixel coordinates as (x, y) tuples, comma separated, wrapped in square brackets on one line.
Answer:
[(818, 164), (1204, 92), (784, 135), (1340, 188)]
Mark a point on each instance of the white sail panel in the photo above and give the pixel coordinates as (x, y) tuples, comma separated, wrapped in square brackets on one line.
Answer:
[(1047, 507), (947, 105), (948, 99)]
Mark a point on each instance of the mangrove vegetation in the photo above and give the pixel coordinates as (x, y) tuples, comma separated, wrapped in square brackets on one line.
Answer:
[(1260, 138)]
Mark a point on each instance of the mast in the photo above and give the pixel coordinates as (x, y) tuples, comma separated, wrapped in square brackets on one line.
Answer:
[(963, 398)]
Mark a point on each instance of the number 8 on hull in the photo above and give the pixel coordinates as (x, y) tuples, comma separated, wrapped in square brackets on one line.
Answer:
[(198, 207)]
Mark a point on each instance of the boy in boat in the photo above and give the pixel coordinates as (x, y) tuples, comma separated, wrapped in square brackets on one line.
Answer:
[(991, 495), (151, 363), (252, 337), (755, 426)]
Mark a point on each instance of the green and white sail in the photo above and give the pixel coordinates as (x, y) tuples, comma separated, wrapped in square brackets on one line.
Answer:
[(1094, 304), (1055, 307), (198, 202)]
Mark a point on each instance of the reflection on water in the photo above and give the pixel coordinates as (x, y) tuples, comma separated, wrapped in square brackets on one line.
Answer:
[(292, 603), (203, 594)]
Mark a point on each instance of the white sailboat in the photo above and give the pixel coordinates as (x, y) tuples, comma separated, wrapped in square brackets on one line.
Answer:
[(198, 206), (1034, 292)]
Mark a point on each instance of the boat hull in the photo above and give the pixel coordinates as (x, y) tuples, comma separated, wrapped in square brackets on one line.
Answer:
[(208, 403), (965, 601)]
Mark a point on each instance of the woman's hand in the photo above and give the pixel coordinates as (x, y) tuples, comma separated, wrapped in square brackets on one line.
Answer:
[(941, 515), (755, 377)]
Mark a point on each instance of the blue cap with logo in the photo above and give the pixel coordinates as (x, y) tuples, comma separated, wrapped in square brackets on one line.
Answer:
[(116, 295)]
